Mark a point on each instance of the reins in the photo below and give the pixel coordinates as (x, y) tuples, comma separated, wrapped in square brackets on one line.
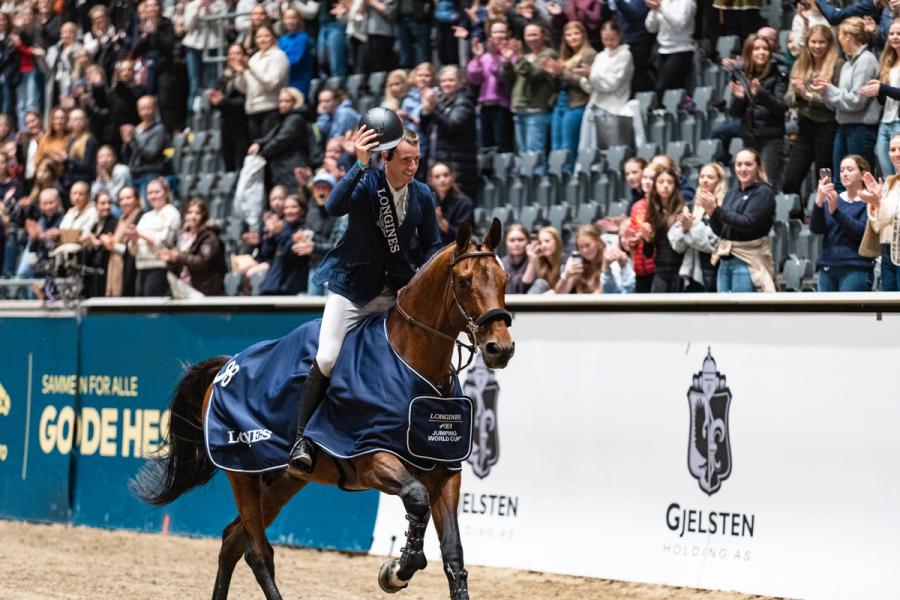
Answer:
[(472, 324)]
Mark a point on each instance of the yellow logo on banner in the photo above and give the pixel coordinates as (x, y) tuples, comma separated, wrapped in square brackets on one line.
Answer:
[(2, 452), (5, 402)]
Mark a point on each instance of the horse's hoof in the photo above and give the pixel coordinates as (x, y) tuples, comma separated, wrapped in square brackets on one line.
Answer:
[(387, 577)]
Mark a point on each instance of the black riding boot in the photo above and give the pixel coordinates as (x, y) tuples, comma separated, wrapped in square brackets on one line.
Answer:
[(313, 391)]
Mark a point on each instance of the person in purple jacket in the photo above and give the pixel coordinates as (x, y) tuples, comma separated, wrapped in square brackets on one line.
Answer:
[(484, 70)]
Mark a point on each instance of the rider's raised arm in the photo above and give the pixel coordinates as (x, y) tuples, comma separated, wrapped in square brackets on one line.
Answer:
[(344, 193), (429, 236)]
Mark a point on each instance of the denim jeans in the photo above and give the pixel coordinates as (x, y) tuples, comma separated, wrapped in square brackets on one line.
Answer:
[(890, 273), (852, 138), (11, 252), (734, 276), (333, 40), (882, 146), (414, 38), (197, 74), (29, 95), (845, 279), (532, 130), (565, 127)]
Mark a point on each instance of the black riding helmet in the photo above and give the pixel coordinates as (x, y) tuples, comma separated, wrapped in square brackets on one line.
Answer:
[(386, 124)]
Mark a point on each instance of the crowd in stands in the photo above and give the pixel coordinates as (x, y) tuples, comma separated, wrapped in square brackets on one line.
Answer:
[(629, 146)]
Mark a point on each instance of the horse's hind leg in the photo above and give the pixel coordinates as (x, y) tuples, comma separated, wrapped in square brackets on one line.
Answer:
[(234, 538), (444, 504), (390, 476), (248, 495)]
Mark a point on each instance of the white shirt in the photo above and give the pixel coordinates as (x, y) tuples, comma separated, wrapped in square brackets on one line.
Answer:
[(161, 225), (610, 81), (892, 107), (84, 219), (674, 20), (401, 201)]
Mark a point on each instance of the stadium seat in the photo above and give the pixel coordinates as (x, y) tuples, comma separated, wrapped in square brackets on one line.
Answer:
[(515, 194), (736, 145), (334, 83), (314, 86), (225, 183), (179, 146), (232, 283), (616, 157), (574, 191), (727, 46), (185, 184), (527, 171), (189, 165), (531, 214), (204, 185), (199, 141), (648, 150), (672, 100), (785, 204), (504, 214), (559, 216), (617, 208), (488, 192), (376, 83), (587, 212), (479, 216), (602, 191), (708, 150), (647, 101), (356, 86), (795, 271), (556, 169), (678, 151)]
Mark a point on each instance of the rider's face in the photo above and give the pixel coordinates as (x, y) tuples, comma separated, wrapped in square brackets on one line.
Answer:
[(403, 166)]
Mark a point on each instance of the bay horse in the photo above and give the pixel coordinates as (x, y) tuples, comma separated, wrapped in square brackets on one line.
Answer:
[(462, 280)]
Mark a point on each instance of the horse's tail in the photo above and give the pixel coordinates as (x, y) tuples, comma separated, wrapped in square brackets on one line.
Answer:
[(181, 463)]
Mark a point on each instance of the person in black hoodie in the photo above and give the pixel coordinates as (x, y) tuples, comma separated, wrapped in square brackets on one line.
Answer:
[(452, 115), (759, 89), (452, 208), (289, 272), (285, 147)]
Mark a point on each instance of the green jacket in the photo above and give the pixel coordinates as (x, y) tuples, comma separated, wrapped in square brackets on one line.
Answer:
[(533, 88)]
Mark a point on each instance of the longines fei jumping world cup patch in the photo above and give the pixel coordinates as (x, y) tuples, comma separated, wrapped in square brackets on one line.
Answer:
[(440, 428)]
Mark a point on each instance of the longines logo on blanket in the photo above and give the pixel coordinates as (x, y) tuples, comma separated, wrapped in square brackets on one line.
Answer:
[(709, 444), (248, 437), (481, 386)]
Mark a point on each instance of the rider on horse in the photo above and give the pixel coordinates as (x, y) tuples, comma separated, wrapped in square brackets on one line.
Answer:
[(387, 208)]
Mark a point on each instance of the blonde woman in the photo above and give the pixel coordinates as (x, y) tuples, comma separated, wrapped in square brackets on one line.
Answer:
[(156, 230), (544, 261), (692, 235), (581, 273), (883, 199), (261, 78), (857, 116), (818, 59), (395, 89), (565, 123), (887, 89)]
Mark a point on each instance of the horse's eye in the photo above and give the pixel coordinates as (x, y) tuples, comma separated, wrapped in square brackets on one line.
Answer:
[(465, 283)]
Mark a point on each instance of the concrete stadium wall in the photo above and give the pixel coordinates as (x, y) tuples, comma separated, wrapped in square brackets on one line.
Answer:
[(592, 456)]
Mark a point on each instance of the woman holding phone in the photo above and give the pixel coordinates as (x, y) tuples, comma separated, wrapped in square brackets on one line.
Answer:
[(842, 219)]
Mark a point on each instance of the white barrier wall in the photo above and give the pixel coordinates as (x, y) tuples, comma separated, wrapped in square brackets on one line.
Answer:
[(794, 489)]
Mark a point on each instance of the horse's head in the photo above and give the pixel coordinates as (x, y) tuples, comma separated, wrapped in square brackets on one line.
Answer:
[(478, 283)]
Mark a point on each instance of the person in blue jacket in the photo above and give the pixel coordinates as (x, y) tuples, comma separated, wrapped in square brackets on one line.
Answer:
[(387, 208)]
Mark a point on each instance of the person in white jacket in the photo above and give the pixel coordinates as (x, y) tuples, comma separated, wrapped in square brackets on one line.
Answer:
[(199, 34), (673, 23), (261, 78), (156, 230), (608, 81), (692, 236)]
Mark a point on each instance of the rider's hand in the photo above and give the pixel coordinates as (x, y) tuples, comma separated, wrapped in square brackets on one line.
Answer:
[(366, 140)]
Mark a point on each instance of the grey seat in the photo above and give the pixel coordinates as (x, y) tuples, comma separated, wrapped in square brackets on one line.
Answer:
[(708, 150)]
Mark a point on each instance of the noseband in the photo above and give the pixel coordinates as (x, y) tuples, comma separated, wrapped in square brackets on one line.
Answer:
[(472, 323)]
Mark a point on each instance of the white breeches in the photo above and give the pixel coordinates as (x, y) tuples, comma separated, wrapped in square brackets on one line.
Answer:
[(341, 316)]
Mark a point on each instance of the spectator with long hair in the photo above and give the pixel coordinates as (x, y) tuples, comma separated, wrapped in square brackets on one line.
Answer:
[(818, 59), (742, 222), (571, 100), (230, 101), (453, 207), (761, 108), (121, 274), (608, 81), (533, 88), (632, 173), (517, 259), (841, 219), (450, 115), (260, 78), (857, 115), (582, 269), (692, 235), (53, 143), (883, 200), (630, 232), (544, 261), (484, 72), (295, 43), (664, 206), (112, 175), (156, 230), (395, 89), (887, 89), (288, 273), (421, 79), (80, 157), (198, 258), (96, 254)]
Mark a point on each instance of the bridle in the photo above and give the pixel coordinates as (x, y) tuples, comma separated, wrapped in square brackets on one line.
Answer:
[(472, 323)]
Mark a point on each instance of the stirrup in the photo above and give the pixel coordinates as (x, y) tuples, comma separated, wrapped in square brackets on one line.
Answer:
[(302, 455)]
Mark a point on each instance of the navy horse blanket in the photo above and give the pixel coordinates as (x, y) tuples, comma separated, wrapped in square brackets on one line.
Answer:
[(375, 403)]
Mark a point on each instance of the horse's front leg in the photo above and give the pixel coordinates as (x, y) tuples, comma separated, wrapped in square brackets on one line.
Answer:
[(391, 476), (444, 503)]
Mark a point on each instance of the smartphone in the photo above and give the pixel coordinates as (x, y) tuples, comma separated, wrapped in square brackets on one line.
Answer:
[(825, 173), (576, 257)]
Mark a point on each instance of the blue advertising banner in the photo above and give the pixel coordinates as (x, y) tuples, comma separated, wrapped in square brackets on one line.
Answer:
[(130, 365), (38, 393)]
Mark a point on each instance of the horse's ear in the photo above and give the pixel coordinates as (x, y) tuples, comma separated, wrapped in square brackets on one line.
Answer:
[(463, 236), (492, 237)]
